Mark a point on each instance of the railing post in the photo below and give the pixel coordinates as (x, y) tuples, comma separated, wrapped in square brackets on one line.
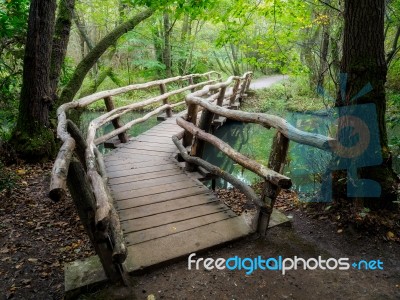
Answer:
[(218, 121), (123, 137), (248, 82), (188, 137), (192, 118), (163, 90), (221, 96), (270, 191), (243, 88), (190, 80), (234, 92), (205, 124)]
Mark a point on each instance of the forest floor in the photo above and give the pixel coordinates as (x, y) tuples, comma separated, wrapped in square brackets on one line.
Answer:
[(38, 236)]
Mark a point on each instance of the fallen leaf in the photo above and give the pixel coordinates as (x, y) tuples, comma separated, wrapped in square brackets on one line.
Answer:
[(390, 235), (21, 172)]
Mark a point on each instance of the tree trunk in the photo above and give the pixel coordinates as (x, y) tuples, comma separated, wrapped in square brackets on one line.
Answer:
[(32, 138), (182, 61), (60, 43), (323, 60), (91, 58), (167, 45), (364, 63)]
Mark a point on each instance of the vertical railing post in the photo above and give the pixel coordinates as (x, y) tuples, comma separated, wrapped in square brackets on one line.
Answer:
[(221, 96), (220, 101), (234, 92), (277, 159), (188, 137), (243, 88), (190, 80), (163, 90), (123, 137), (192, 118), (248, 82)]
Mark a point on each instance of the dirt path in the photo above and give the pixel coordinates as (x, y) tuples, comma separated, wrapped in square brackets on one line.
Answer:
[(266, 81)]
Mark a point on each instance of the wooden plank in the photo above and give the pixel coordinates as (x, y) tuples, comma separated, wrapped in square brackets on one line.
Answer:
[(166, 126), (158, 232), (154, 190), (169, 130), (152, 175), (151, 147), (145, 200), (132, 175), (116, 157), (129, 225), (184, 243), (135, 152), (138, 164), (148, 183), (151, 140), (171, 205), (157, 134)]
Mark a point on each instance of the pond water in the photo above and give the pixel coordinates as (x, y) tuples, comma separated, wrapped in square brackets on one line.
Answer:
[(305, 164)]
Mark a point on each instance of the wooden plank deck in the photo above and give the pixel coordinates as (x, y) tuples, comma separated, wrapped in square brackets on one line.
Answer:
[(165, 212)]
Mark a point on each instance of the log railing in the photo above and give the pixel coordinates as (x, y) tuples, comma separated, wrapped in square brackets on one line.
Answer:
[(197, 133), (80, 166)]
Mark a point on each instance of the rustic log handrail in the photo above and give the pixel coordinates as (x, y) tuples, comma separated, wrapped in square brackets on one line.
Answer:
[(105, 226), (195, 136), (270, 175), (60, 167)]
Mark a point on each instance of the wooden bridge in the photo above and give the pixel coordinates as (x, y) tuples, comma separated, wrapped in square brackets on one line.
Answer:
[(145, 202)]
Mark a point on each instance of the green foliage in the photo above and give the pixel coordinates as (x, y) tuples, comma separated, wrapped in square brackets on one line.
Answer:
[(67, 70), (8, 179), (194, 7), (393, 81), (293, 94), (13, 18), (13, 26), (7, 122)]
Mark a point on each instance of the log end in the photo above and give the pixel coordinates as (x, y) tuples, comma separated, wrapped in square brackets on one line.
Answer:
[(119, 254), (284, 183), (103, 224), (57, 194)]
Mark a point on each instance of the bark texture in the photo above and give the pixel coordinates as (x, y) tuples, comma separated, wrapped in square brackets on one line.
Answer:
[(33, 139), (364, 63), (60, 43)]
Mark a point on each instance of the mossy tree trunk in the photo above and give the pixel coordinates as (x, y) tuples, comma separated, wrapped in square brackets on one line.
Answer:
[(91, 58), (364, 63), (60, 43), (33, 138), (167, 45)]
